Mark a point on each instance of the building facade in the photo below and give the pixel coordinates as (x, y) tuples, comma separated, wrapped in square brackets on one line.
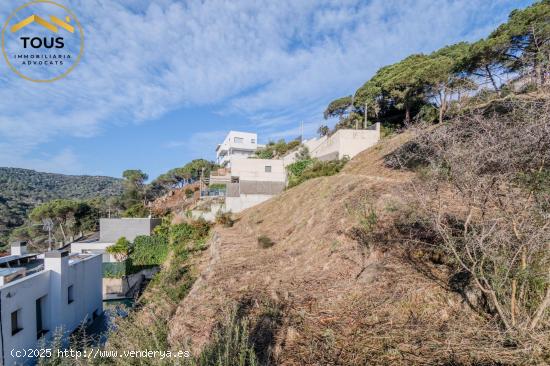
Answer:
[(42, 295), (250, 181), (236, 145), (110, 230)]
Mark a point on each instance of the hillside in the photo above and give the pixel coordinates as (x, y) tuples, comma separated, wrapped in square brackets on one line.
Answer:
[(23, 189), (377, 264)]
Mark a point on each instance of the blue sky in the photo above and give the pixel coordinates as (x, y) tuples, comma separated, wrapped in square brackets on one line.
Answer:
[(161, 82)]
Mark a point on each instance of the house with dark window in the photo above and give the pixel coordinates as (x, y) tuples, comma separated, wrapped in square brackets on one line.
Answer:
[(40, 294)]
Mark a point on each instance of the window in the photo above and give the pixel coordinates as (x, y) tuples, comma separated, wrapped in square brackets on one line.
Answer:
[(40, 330), (238, 140), (268, 168), (70, 294), (253, 141), (15, 322)]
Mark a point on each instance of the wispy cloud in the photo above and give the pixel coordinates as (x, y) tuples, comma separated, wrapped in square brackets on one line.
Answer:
[(273, 63), (200, 144)]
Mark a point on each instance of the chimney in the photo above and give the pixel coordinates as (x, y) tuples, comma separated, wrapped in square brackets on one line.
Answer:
[(58, 263), (18, 248)]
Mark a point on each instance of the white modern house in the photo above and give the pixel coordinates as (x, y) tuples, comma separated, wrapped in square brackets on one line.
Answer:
[(250, 181), (236, 145), (110, 230), (342, 143), (41, 295)]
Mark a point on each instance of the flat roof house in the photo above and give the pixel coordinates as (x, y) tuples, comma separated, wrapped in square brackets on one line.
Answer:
[(40, 295), (236, 145), (248, 180)]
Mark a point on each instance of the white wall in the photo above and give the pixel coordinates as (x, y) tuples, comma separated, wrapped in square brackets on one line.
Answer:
[(110, 230), (254, 170), (244, 201), (341, 143), (52, 282), (21, 295), (93, 248), (348, 143), (223, 152)]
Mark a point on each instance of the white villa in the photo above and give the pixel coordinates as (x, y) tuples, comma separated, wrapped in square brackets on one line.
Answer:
[(236, 145), (250, 181), (40, 295)]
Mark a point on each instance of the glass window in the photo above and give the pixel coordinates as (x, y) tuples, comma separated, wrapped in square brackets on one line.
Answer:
[(70, 294), (15, 322), (268, 168), (253, 141), (238, 140), (40, 330)]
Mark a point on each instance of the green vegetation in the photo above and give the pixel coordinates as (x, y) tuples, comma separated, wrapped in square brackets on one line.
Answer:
[(225, 219), (178, 177), (265, 242), (163, 294), (120, 250), (217, 186), (21, 190), (442, 80), (306, 169), (230, 345), (149, 250), (275, 150), (117, 269)]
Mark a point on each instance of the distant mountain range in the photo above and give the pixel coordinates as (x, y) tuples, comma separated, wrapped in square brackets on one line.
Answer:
[(22, 189)]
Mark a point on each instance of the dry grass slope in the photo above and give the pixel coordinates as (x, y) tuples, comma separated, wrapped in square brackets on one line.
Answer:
[(332, 295)]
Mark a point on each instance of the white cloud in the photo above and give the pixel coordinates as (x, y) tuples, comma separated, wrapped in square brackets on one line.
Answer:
[(200, 144), (64, 161), (275, 63)]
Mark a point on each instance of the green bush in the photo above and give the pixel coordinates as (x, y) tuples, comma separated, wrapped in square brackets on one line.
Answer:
[(120, 249), (217, 187), (225, 219), (116, 269), (303, 170), (149, 250), (181, 233), (136, 210), (265, 241), (230, 345), (188, 192)]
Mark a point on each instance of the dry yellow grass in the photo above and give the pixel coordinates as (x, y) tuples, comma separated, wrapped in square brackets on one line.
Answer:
[(341, 303)]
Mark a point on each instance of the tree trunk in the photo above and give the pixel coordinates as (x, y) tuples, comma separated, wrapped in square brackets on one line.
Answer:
[(407, 114)]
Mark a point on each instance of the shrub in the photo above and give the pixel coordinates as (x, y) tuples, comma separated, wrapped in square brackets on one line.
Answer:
[(225, 219), (120, 249), (181, 233), (495, 165), (116, 269), (303, 170), (265, 242), (189, 192), (217, 187), (149, 250), (230, 345), (136, 210)]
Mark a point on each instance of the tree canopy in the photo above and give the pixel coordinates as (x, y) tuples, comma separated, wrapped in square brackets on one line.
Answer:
[(396, 93)]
